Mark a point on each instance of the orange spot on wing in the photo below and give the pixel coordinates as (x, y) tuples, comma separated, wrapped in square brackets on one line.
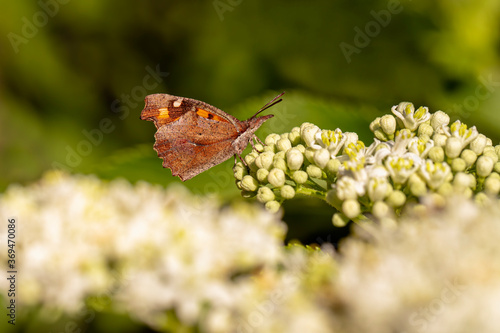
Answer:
[(209, 115), (163, 113)]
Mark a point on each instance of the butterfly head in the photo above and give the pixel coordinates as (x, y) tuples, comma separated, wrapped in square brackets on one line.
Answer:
[(256, 122)]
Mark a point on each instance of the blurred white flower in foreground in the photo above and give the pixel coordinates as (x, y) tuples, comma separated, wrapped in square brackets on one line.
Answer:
[(437, 271), (146, 248), (167, 258)]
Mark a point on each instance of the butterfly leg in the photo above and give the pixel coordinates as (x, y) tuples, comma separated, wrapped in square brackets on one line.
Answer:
[(259, 140), (256, 138), (242, 160)]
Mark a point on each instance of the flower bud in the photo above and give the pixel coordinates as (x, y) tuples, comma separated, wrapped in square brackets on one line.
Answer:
[(294, 159), (482, 199), (380, 209), (273, 206), (287, 192), (309, 154), (313, 171), (283, 144), (294, 137), (472, 180), (321, 157), (379, 134), (388, 124), (239, 171), (484, 166), (304, 125), (270, 148), (264, 160), (300, 177), (418, 189), (396, 199), (351, 208), (497, 150), (497, 167), (478, 144), (272, 138), (350, 137), (250, 158), (301, 148), (250, 184), (375, 124), (469, 157), (333, 166), (438, 119), (279, 163), (339, 220), (436, 154), (308, 134), (453, 147), (276, 177), (458, 164), (489, 148), (491, 154), (265, 194), (439, 140), (280, 154), (425, 130), (261, 175), (446, 189), (424, 137), (462, 180), (492, 185)]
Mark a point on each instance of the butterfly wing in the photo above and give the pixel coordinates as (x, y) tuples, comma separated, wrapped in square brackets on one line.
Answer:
[(193, 144), (163, 109), (192, 136)]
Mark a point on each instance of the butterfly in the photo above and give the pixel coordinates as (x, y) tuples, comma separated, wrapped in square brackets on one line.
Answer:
[(193, 136)]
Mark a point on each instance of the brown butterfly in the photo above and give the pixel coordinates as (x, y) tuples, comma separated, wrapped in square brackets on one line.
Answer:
[(193, 136)]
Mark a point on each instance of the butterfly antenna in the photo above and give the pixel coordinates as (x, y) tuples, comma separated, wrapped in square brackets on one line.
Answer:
[(272, 102)]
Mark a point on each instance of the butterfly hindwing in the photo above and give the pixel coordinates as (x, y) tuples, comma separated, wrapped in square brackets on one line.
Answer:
[(194, 144)]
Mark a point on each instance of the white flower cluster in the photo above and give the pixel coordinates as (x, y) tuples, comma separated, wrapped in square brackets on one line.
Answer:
[(179, 262), (414, 152), (147, 249), (438, 271)]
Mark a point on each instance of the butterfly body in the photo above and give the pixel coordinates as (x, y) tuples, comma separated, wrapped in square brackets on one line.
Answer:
[(193, 136)]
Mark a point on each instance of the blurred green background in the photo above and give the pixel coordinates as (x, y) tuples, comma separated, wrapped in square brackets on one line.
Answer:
[(75, 73)]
